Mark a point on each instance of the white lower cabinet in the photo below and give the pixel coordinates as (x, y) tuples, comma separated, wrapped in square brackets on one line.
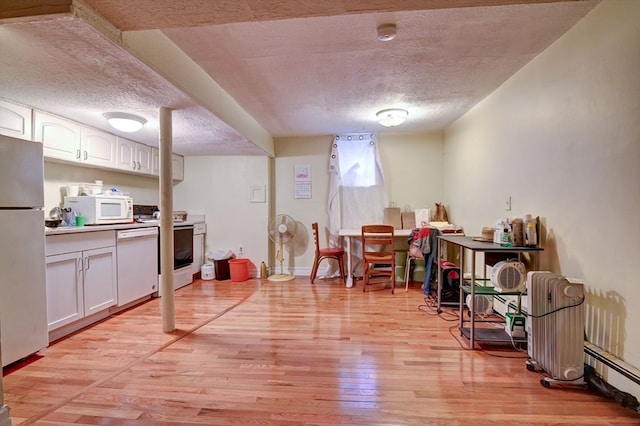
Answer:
[(81, 276), (65, 289), (100, 286)]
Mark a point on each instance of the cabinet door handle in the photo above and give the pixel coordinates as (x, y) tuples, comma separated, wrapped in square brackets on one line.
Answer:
[(86, 264), (86, 155), (138, 165), (80, 264), (78, 154), (133, 164)]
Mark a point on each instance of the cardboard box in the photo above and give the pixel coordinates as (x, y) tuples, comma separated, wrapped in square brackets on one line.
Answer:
[(514, 324)]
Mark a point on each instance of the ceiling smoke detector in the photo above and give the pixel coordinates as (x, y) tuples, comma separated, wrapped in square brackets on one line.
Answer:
[(387, 32)]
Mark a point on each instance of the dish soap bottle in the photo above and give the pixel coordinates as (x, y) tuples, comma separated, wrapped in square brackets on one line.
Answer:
[(507, 238)]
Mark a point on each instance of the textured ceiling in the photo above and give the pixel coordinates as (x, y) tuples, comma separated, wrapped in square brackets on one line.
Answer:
[(292, 68)]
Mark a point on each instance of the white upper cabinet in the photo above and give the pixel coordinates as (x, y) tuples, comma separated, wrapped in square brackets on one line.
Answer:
[(177, 164), (15, 120), (126, 157), (134, 157), (98, 148), (68, 141), (60, 137), (144, 158), (155, 161), (178, 167)]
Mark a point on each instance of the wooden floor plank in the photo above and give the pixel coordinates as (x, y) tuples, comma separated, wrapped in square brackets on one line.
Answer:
[(289, 353)]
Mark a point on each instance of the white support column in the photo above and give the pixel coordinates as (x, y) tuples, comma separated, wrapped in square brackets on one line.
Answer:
[(166, 220)]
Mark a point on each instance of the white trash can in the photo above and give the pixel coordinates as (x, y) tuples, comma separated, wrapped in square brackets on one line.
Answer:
[(207, 272)]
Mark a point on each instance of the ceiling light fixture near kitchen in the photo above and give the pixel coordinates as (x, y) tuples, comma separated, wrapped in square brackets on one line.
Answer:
[(392, 117), (124, 122)]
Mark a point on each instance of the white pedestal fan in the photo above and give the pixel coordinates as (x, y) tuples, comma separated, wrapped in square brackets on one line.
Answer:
[(281, 230)]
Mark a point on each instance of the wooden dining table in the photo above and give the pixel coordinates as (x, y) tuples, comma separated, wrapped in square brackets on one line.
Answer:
[(348, 234)]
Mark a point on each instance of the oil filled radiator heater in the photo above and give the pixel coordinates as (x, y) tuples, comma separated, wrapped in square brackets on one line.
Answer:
[(555, 328)]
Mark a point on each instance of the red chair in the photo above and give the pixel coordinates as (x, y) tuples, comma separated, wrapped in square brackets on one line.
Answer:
[(325, 253)]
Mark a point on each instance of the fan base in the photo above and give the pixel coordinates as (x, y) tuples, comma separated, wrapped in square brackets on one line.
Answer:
[(281, 277)]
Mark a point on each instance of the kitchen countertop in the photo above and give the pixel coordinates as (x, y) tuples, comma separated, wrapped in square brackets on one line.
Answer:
[(93, 228)]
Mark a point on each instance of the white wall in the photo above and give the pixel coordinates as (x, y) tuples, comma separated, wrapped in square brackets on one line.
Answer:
[(143, 189), (562, 137), (219, 187), (413, 174), (413, 168)]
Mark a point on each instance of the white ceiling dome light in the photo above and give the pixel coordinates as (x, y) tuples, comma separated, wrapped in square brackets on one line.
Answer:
[(124, 122), (392, 117)]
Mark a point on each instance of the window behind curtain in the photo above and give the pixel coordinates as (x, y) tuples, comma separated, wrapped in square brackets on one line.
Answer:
[(357, 163), (357, 194)]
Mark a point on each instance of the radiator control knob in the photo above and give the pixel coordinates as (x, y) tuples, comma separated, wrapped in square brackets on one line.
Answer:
[(571, 373), (571, 291)]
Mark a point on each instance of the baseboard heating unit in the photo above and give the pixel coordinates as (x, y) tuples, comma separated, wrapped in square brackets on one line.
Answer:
[(555, 328)]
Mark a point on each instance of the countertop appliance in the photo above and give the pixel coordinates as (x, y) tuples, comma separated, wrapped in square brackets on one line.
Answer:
[(102, 209), (23, 292)]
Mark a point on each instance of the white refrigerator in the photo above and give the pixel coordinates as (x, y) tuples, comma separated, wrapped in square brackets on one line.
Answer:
[(23, 298)]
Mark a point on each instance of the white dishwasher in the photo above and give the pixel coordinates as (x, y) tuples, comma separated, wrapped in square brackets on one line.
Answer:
[(137, 251)]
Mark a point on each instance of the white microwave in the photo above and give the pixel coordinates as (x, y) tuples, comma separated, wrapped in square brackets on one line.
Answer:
[(102, 209)]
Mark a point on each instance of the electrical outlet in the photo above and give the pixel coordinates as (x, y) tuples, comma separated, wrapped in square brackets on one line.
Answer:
[(508, 203), (241, 250)]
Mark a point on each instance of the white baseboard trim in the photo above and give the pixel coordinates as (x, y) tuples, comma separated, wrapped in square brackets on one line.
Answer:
[(5, 419), (613, 370)]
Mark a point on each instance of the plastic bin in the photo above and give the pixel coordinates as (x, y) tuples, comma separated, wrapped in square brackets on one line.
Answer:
[(207, 272), (239, 269), (222, 269)]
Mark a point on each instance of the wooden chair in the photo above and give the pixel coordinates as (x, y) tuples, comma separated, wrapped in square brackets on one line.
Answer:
[(378, 255), (325, 253)]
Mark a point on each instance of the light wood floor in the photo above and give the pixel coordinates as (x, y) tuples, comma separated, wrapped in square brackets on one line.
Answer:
[(264, 353)]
